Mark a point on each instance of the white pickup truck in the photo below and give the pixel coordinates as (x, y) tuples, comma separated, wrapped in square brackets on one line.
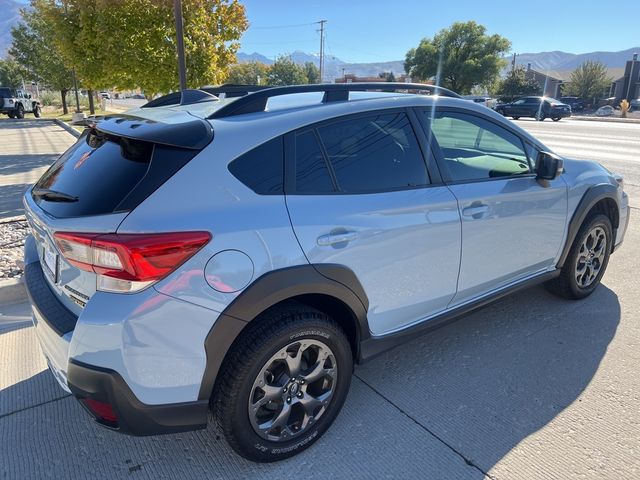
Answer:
[(15, 103)]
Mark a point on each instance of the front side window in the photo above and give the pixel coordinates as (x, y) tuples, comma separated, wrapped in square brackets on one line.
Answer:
[(477, 149), (374, 153)]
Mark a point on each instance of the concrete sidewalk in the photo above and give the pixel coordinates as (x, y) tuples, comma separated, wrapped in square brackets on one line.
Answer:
[(27, 148)]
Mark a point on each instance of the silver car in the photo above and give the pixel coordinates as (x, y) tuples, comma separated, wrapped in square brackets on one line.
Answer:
[(240, 250)]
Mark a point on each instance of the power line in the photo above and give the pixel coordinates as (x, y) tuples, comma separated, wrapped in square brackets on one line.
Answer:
[(283, 26)]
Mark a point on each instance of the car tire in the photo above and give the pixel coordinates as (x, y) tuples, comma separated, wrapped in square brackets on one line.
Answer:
[(262, 404), (516, 118), (555, 119), (37, 112), (20, 111), (587, 259), (11, 115)]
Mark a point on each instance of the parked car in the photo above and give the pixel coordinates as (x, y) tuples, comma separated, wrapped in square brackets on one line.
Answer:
[(138, 96), (105, 95), (576, 103), (172, 270), (605, 111), (15, 103), (634, 105), (485, 100), (536, 107)]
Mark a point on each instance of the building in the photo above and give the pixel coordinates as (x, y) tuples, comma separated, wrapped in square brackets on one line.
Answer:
[(628, 86), (551, 86)]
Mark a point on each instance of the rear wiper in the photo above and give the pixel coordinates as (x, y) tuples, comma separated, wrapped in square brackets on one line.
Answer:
[(53, 195)]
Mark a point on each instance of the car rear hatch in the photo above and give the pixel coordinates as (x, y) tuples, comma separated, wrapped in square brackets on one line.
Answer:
[(116, 164)]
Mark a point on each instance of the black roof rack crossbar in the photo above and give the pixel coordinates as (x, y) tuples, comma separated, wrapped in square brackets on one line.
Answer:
[(333, 92), (232, 90)]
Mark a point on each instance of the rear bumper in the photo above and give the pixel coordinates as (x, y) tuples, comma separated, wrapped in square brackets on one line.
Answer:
[(134, 417)]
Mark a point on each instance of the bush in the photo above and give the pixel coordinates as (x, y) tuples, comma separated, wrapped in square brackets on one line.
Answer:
[(50, 99)]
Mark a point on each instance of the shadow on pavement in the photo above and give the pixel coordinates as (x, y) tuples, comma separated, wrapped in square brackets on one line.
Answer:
[(20, 164), (490, 380), (11, 199), (481, 385)]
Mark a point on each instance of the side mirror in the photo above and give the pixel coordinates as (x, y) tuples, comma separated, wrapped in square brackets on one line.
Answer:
[(548, 166)]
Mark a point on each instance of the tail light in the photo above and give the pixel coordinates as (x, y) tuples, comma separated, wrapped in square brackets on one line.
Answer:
[(102, 411), (129, 262)]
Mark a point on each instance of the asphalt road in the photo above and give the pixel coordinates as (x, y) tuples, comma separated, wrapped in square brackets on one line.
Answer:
[(531, 387), (615, 145)]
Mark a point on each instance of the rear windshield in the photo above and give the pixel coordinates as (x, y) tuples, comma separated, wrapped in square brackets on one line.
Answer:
[(107, 174)]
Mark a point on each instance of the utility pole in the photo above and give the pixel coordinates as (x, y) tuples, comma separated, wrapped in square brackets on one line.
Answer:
[(182, 66), (321, 22)]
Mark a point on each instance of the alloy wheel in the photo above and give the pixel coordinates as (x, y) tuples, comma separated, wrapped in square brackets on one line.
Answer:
[(591, 256), (292, 390)]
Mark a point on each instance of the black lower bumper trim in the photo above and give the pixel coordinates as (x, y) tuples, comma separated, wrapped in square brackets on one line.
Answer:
[(134, 417), (45, 301)]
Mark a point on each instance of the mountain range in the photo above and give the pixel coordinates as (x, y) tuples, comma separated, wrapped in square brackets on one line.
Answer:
[(556, 63)]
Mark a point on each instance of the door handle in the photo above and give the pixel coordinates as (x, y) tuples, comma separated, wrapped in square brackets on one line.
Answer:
[(334, 238), (475, 211)]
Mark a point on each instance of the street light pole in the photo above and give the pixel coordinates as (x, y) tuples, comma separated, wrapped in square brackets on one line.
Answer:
[(182, 66), (322, 22)]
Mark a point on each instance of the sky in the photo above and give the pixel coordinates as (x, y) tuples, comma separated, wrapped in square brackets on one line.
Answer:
[(376, 31)]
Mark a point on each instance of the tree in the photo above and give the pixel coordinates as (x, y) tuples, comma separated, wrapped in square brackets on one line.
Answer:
[(11, 74), (590, 80), (517, 83), (460, 57), (285, 72), (312, 72), (132, 43), (388, 76), (33, 46), (251, 73)]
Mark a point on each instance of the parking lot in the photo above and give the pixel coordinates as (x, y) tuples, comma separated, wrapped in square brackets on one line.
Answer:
[(531, 387)]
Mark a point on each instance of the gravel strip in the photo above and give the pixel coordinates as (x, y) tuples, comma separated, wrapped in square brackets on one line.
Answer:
[(12, 235)]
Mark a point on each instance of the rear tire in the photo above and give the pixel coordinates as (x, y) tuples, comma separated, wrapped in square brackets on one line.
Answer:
[(555, 119), (587, 260), (516, 118), (283, 383)]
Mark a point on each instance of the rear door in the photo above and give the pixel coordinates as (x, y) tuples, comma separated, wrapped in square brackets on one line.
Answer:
[(359, 194), (512, 225)]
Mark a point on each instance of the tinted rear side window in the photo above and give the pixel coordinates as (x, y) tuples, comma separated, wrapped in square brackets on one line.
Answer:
[(374, 153), (107, 174), (262, 169), (312, 173)]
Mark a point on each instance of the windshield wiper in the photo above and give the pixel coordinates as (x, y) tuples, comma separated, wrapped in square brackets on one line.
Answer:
[(53, 195)]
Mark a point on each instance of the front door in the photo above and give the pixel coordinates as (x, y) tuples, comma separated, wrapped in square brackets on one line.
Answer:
[(512, 225), (362, 198)]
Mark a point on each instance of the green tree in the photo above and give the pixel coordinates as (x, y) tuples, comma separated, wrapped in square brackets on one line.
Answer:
[(251, 73), (462, 56), (11, 73), (312, 72), (516, 84), (285, 72), (388, 76), (132, 43), (590, 80), (33, 46)]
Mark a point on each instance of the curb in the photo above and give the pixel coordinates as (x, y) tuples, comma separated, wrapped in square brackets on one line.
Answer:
[(66, 127), (12, 291), (606, 119)]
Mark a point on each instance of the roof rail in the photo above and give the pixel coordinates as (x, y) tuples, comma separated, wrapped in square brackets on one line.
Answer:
[(202, 94), (333, 92)]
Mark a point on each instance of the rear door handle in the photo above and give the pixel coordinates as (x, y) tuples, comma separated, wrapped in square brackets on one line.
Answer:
[(334, 238), (475, 211)]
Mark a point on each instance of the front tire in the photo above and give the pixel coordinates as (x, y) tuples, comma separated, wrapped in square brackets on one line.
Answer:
[(555, 119), (283, 383), (37, 112), (20, 111), (587, 260), (516, 118)]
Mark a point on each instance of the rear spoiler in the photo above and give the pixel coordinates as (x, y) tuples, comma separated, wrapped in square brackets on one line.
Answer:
[(192, 133)]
